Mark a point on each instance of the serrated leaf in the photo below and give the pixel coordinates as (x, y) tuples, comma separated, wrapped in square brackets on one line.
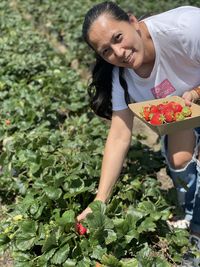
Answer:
[(130, 263), (111, 261), (147, 225), (70, 263), (61, 254), (98, 206), (53, 193), (98, 252), (24, 244), (49, 243), (110, 236), (28, 228)]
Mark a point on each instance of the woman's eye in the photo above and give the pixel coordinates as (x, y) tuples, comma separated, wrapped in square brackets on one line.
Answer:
[(118, 37), (105, 52)]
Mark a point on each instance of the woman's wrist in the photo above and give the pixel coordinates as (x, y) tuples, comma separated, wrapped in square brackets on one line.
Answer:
[(101, 198), (197, 90), (196, 93)]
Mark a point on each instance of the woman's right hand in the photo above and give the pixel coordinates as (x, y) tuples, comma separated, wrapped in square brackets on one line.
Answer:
[(83, 214)]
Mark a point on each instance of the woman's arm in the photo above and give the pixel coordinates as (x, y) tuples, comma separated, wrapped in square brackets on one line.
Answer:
[(116, 148)]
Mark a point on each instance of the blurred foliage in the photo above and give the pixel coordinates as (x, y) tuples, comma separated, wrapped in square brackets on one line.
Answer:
[(52, 145)]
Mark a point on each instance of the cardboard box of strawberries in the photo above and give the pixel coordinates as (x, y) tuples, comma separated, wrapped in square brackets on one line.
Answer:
[(167, 115)]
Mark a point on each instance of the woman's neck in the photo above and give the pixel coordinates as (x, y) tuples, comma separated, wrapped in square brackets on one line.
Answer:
[(149, 52)]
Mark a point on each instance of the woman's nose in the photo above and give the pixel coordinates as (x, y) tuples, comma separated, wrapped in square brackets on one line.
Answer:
[(119, 51)]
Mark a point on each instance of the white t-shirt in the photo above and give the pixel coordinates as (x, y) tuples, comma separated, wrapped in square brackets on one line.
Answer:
[(176, 37)]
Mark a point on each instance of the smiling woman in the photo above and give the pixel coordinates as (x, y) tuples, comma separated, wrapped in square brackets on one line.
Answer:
[(125, 43), (156, 57)]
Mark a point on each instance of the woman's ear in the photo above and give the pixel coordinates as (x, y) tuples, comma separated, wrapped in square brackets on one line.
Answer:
[(133, 20)]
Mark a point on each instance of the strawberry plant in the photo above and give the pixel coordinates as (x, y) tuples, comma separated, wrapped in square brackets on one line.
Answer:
[(51, 151)]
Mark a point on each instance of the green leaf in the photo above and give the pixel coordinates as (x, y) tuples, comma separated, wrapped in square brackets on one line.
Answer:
[(147, 225), (98, 206), (24, 244), (49, 243), (68, 217), (28, 228), (98, 252), (70, 263), (53, 193), (146, 206), (111, 236), (111, 261), (21, 256), (61, 254), (132, 234), (48, 255), (129, 263), (4, 239)]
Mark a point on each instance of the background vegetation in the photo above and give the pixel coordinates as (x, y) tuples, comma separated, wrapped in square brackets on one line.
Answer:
[(51, 150)]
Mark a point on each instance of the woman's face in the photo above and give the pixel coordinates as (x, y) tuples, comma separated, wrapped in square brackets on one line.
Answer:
[(117, 42)]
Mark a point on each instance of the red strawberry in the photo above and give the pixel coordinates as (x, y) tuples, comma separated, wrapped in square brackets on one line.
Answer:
[(153, 109), (162, 107), (186, 111), (176, 106), (145, 113), (157, 119), (169, 115), (81, 229)]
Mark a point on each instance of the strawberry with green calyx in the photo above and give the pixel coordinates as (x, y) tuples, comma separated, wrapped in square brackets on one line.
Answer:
[(186, 111), (169, 116), (157, 119), (81, 229), (146, 113), (179, 116)]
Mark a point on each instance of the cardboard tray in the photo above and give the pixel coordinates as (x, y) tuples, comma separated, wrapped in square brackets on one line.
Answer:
[(167, 128)]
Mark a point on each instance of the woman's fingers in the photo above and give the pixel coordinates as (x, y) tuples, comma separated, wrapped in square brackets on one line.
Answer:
[(83, 214), (188, 98)]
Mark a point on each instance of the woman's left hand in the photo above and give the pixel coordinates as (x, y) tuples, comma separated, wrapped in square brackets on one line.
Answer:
[(189, 97)]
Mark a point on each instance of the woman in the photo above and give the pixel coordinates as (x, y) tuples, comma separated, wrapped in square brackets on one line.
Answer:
[(142, 60)]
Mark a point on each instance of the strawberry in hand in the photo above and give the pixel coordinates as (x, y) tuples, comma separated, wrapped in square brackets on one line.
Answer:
[(81, 229)]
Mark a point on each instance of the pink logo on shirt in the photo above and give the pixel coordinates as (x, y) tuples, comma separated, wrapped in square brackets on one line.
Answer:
[(164, 89)]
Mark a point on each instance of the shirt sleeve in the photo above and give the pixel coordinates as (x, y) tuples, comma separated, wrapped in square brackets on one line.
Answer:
[(190, 22), (118, 100)]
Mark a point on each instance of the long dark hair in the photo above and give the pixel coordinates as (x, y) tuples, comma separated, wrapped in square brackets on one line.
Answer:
[(100, 89)]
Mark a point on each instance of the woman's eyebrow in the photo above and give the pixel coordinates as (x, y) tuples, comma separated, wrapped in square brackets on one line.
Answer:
[(101, 48)]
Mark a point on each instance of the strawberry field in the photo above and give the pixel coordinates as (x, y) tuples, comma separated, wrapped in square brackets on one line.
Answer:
[(52, 146)]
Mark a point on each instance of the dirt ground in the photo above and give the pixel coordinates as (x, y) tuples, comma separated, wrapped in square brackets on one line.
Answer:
[(6, 260), (151, 140)]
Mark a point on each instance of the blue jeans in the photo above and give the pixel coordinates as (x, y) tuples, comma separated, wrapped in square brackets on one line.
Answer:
[(187, 183)]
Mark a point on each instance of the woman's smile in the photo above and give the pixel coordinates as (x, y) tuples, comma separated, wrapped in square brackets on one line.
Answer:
[(129, 58)]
